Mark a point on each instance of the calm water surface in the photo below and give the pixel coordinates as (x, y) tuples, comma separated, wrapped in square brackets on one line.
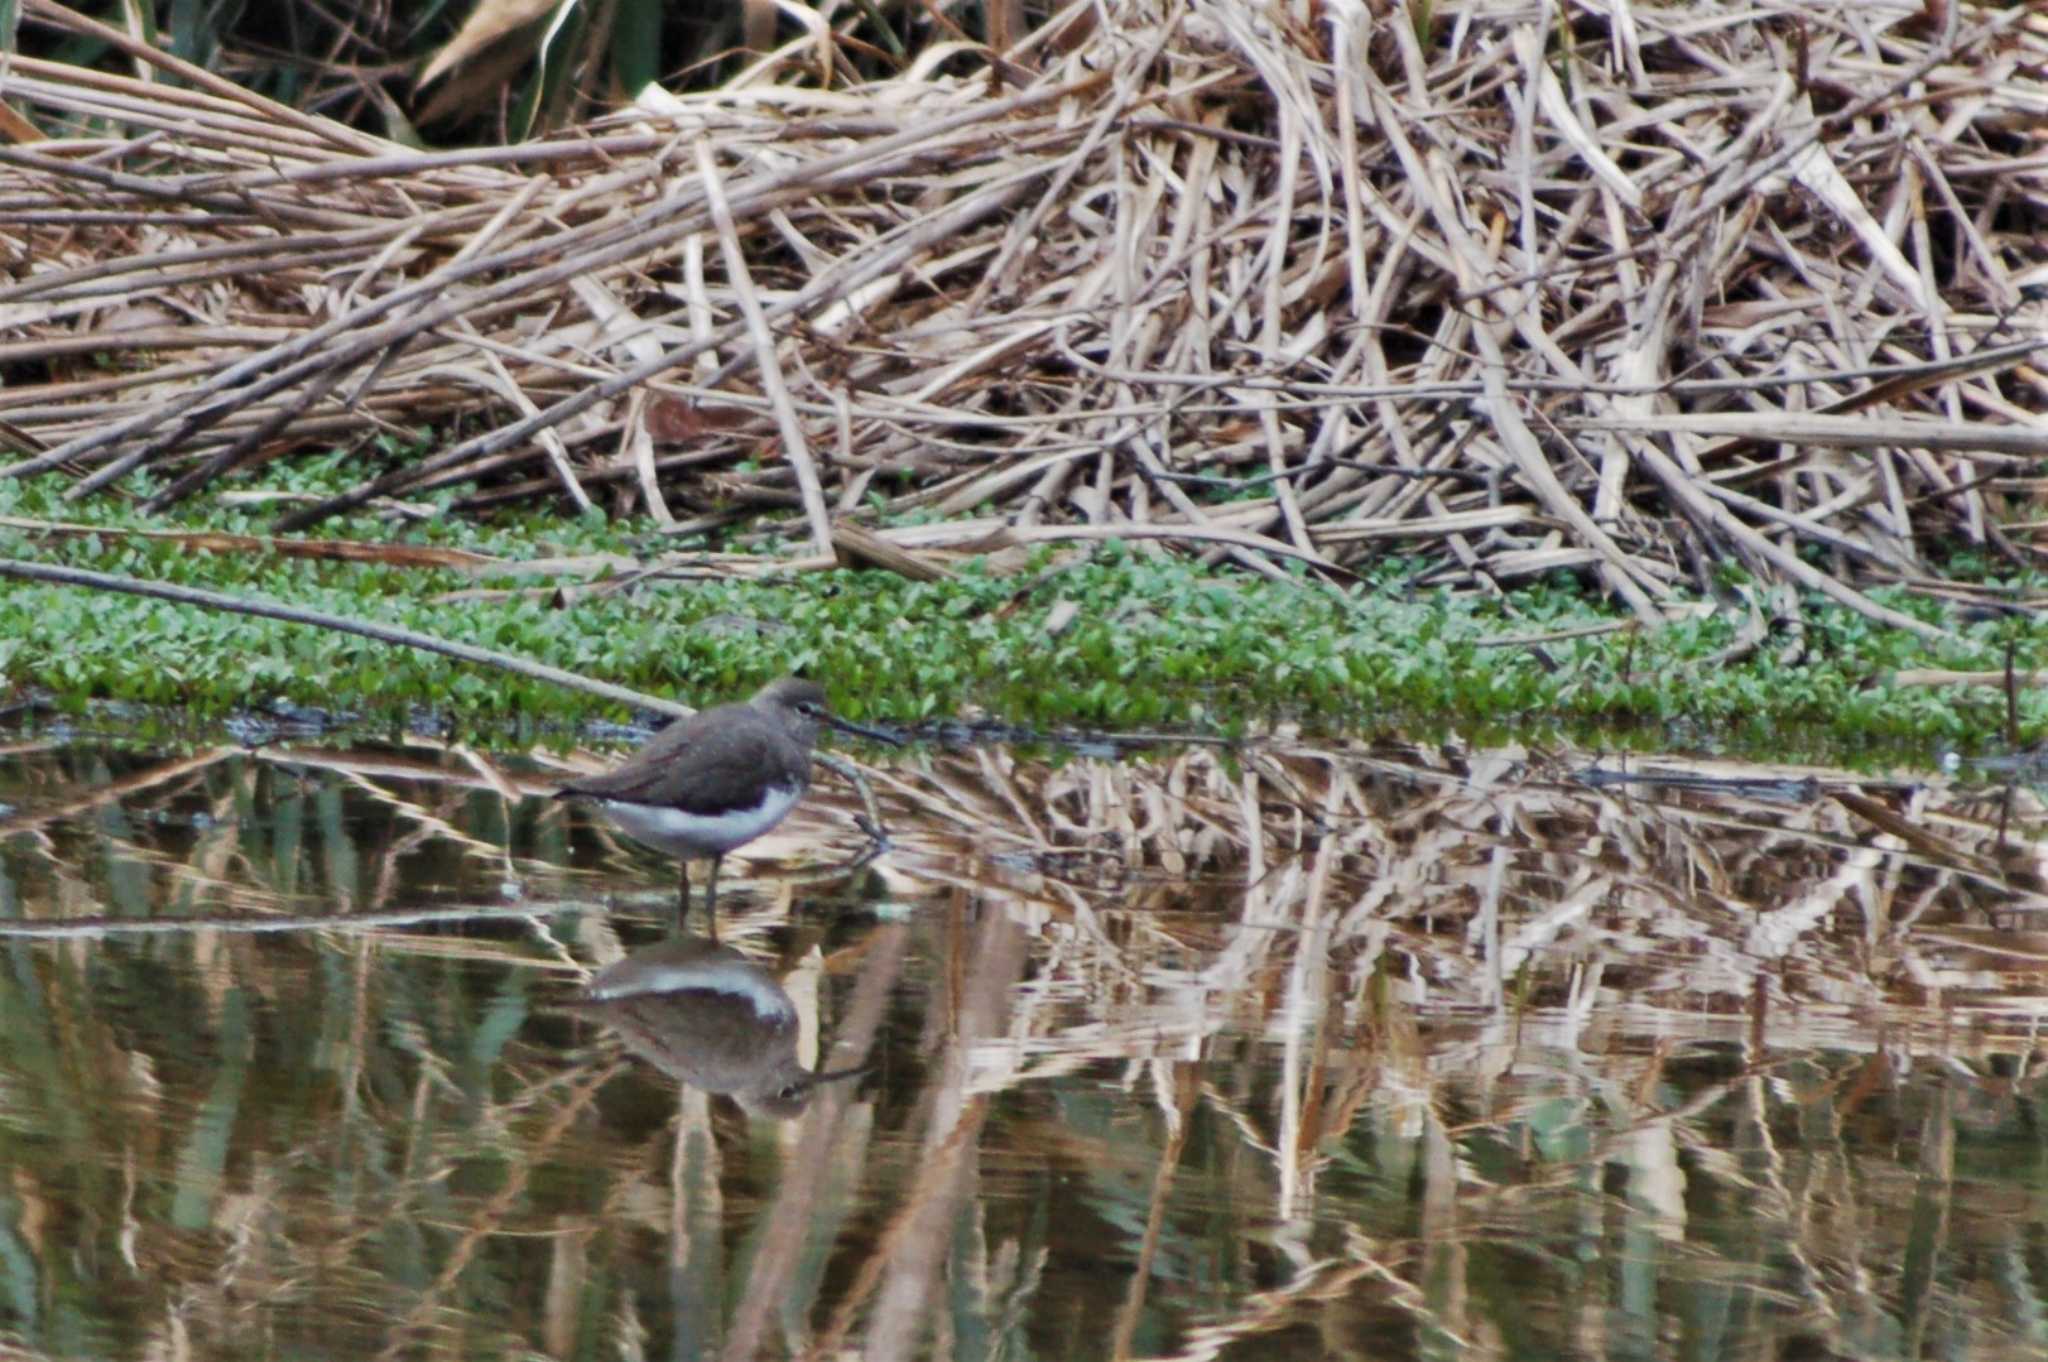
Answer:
[(1372, 1051)]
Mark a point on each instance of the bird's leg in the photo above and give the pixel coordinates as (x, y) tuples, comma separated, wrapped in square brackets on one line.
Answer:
[(711, 898)]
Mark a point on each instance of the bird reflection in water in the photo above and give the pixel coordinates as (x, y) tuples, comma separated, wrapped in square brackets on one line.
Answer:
[(709, 1017)]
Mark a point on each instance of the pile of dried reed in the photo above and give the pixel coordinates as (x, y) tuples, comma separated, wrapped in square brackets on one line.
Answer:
[(1623, 289)]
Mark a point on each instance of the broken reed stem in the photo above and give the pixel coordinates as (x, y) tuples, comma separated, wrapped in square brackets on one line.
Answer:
[(381, 633)]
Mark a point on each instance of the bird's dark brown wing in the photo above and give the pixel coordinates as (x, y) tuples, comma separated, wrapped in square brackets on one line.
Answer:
[(696, 766)]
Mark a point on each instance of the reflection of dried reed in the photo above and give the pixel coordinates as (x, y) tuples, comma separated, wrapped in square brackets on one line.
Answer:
[(1424, 935), (1473, 880), (1360, 1013), (1481, 879)]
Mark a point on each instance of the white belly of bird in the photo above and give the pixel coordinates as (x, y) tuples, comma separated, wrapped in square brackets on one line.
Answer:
[(683, 834), (735, 980)]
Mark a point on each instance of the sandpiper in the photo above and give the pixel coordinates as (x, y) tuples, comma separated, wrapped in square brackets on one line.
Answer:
[(718, 779), (707, 1016)]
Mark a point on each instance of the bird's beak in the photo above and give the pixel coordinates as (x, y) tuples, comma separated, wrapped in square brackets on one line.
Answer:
[(862, 730), (834, 1075)]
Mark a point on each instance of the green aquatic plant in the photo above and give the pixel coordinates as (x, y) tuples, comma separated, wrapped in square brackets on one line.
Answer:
[(1149, 638)]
